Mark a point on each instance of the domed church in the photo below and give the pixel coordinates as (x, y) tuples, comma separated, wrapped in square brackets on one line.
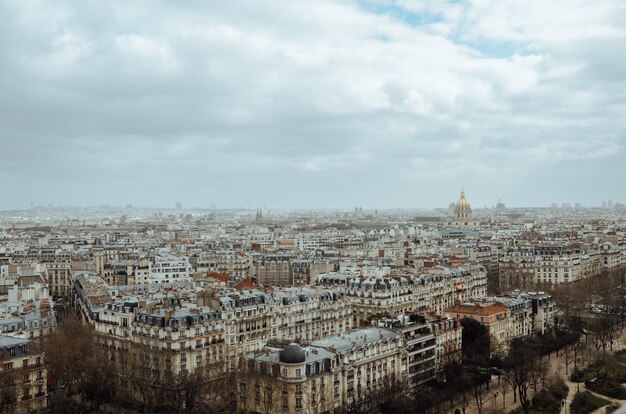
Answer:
[(462, 209), (463, 213)]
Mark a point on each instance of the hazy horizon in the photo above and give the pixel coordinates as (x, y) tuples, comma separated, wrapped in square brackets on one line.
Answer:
[(313, 104), (280, 209)]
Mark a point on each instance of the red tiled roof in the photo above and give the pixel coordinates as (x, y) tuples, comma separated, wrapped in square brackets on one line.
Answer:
[(245, 284), (478, 309), (222, 277)]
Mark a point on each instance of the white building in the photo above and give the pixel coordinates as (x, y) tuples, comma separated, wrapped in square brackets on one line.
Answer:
[(168, 268)]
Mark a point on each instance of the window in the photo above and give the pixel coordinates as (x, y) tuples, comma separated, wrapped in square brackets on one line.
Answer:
[(298, 373)]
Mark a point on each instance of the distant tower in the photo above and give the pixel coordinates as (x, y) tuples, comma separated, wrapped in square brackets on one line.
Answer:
[(259, 215), (500, 205), (179, 205), (462, 209)]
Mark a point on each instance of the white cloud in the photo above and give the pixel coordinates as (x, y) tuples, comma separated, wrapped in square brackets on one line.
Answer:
[(407, 92)]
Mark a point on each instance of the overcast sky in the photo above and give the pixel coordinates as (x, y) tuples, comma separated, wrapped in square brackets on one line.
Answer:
[(295, 104)]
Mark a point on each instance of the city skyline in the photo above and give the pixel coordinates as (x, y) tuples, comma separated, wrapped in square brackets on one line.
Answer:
[(317, 105), (497, 203)]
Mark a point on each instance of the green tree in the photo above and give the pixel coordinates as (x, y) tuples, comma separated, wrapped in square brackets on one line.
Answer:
[(476, 343)]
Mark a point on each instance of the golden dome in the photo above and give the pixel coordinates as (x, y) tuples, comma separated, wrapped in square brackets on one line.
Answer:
[(462, 201)]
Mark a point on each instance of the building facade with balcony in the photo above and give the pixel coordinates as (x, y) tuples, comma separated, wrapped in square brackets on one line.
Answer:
[(23, 384), (330, 373)]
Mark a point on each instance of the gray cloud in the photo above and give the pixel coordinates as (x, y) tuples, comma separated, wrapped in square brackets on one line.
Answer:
[(314, 104)]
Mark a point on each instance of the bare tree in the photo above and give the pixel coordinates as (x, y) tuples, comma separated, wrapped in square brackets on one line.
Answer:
[(317, 397), (504, 387), (524, 369), (509, 379), (187, 393), (567, 357), (578, 349), (480, 390), (79, 367)]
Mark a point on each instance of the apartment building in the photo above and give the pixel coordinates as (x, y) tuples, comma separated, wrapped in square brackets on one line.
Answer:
[(253, 317), (330, 373), (123, 272), (607, 256), (23, 388), (155, 339), (398, 295), (523, 267), (516, 268), (59, 274), (371, 296), (27, 312), (169, 338), (448, 337), (274, 270), (420, 355), (556, 264), (244, 321), (234, 264), (169, 268)]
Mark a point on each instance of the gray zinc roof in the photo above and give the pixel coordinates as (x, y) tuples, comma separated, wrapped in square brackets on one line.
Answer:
[(9, 341)]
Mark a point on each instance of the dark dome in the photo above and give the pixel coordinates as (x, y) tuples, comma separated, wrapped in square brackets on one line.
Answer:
[(292, 354)]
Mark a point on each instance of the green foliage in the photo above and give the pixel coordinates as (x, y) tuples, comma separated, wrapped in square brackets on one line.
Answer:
[(546, 402), (549, 400), (609, 388), (552, 340), (574, 323), (559, 389), (476, 343), (496, 362), (606, 368), (585, 402), (612, 408), (457, 377), (581, 376)]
